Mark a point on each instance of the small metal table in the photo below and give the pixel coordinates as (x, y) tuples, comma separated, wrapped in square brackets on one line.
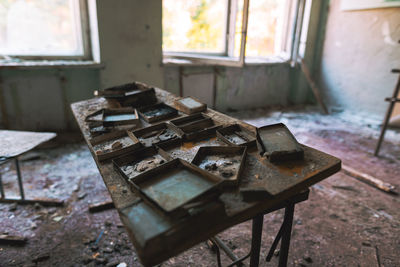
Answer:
[(157, 237), (12, 145)]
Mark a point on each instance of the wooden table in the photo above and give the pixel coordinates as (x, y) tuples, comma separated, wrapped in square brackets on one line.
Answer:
[(157, 237)]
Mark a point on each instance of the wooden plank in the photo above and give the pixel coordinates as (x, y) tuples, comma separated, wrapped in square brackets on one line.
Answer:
[(369, 179)]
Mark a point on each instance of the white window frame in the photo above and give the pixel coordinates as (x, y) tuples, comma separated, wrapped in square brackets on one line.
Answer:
[(84, 37), (227, 58)]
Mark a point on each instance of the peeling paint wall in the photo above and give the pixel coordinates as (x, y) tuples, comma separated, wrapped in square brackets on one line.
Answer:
[(39, 99), (236, 88), (360, 49)]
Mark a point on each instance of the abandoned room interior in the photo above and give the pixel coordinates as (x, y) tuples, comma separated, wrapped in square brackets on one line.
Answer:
[(199, 133)]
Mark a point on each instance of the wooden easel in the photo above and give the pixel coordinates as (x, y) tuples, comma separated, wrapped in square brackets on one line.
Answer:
[(392, 100)]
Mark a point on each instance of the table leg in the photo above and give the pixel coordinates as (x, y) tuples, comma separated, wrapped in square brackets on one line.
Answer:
[(1, 188), (256, 234), (287, 231), (21, 188)]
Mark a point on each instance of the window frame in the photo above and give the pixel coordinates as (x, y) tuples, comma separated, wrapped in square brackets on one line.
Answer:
[(227, 58), (85, 38)]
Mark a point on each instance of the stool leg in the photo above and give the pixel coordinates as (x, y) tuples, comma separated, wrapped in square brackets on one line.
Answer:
[(387, 118), (256, 235), (21, 187), (287, 231)]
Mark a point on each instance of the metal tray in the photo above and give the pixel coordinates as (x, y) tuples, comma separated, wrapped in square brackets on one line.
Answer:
[(157, 112), (120, 116), (195, 126), (103, 144), (139, 161), (174, 184), (278, 144), (130, 94), (187, 149), (155, 134), (224, 161), (237, 135), (190, 105)]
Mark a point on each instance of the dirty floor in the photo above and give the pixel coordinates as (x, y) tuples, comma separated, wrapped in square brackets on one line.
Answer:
[(344, 222)]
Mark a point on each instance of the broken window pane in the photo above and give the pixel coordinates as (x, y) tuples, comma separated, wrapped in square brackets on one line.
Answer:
[(40, 28), (194, 25)]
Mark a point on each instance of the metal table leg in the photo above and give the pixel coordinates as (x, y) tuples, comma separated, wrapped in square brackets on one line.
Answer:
[(287, 231), (1, 188), (21, 187), (256, 235), (23, 200)]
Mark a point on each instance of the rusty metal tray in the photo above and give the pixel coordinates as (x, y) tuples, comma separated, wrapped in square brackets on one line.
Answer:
[(157, 112), (187, 149), (190, 105), (195, 126), (174, 184), (237, 135), (120, 116), (103, 144), (224, 161), (139, 161), (130, 94), (155, 134), (277, 143)]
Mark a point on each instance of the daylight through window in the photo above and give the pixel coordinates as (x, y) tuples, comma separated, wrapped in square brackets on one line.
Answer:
[(41, 28), (214, 27)]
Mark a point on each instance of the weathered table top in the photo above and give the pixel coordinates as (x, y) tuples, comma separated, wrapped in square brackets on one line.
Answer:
[(157, 237), (15, 143)]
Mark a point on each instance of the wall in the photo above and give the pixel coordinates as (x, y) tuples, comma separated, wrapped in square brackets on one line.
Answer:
[(130, 35), (38, 99), (360, 49), (252, 86)]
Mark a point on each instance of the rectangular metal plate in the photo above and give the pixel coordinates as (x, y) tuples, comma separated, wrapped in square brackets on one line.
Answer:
[(174, 184), (157, 112), (277, 143), (237, 135)]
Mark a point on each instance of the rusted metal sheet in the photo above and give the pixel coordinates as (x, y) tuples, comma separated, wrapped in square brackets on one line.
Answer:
[(174, 184), (277, 143)]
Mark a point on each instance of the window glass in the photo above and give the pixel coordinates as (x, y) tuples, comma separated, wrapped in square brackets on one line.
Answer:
[(265, 27), (194, 25), (40, 27)]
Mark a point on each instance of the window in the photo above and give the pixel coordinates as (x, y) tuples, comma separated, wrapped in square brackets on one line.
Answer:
[(226, 30), (42, 29)]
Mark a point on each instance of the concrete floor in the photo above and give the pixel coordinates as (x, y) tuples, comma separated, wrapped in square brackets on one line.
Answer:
[(344, 223)]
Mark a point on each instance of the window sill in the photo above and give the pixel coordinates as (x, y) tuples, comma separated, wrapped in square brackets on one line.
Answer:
[(50, 64), (211, 61)]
